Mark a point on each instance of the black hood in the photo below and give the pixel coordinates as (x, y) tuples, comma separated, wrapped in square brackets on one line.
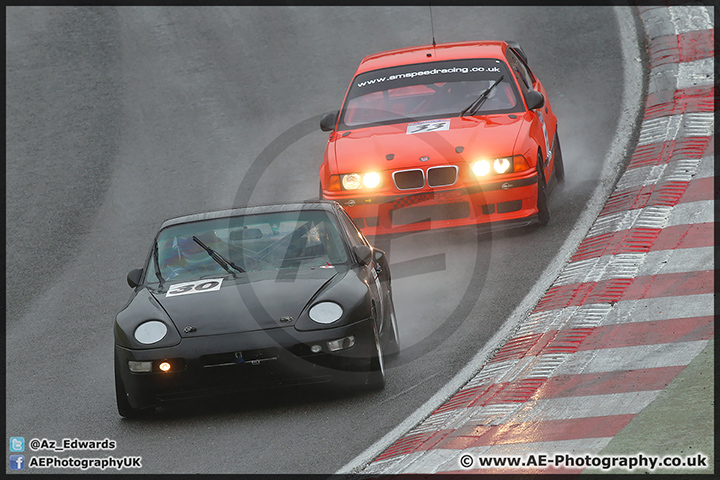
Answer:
[(253, 301)]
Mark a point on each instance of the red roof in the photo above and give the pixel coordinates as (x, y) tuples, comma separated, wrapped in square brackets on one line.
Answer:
[(441, 51)]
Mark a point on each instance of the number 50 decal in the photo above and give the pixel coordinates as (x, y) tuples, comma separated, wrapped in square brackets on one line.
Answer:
[(197, 286)]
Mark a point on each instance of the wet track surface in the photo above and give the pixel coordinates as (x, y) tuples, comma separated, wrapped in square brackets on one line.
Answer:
[(121, 118)]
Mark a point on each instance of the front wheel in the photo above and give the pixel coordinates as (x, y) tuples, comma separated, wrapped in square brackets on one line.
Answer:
[(559, 165), (543, 215), (392, 344), (376, 377)]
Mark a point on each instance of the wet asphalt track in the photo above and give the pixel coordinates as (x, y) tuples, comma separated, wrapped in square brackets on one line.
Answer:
[(120, 118)]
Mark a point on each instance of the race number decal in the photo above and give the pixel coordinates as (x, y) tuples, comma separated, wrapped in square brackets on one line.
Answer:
[(197, 286), (428, 126)]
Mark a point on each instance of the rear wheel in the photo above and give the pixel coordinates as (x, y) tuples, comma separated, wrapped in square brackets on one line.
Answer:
[(543, 215)]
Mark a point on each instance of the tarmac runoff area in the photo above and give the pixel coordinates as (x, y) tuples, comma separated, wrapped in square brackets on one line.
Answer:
[(616, 360)]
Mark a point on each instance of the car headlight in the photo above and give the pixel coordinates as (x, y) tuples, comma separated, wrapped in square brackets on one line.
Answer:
[(150, 332), (500, 165), (481, 168), (372, 179), (325, 312), (356, 181), (351, 181)]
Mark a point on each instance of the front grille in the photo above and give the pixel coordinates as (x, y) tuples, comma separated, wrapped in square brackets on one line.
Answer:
[(236, 358), (442, 176), (409, 179)]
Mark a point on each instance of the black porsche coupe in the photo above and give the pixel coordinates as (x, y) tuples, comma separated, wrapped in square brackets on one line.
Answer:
[(251, 298)]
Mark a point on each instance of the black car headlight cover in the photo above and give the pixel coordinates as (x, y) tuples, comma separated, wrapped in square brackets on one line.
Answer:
[(144, 324), (325, 313), (150, 332), (345, 302)]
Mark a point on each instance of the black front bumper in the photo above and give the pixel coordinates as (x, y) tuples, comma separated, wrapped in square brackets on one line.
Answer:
[(220, 364)]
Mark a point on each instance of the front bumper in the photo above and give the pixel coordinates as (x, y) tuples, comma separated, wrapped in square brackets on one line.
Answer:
[(209, 365), (508, 200)]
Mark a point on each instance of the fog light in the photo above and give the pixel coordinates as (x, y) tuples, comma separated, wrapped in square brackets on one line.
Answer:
[(137, 367), (316, 349), (341, 344), (164, 366)]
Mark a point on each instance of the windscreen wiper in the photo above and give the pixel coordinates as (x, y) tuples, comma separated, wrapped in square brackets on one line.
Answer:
[(222, 261), (474, 106), (157, 267)]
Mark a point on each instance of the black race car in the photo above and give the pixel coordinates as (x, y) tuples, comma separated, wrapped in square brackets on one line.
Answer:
[(251, 298)]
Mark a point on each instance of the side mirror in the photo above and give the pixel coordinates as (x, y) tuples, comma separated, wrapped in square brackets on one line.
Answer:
[(133, 278), (381, 263), (534, 100), (327, 122), (363, 254)]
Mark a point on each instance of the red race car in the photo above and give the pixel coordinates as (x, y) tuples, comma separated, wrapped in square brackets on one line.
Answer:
[(441, 136)]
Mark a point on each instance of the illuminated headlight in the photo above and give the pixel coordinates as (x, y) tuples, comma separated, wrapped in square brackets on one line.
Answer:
[(351, 181), (356, 181), (326, 312), (371, 179), (481, 168), (498, 165), (150, 332), (502, 165)]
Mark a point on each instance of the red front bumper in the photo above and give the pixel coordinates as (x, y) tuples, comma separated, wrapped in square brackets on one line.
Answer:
[(497, 201)]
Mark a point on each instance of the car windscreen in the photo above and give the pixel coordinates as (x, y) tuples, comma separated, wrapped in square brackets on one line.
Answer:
[(428, 90), (271, 241)]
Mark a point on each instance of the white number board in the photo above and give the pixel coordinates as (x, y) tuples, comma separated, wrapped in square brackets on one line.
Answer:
[(197, 286), (428, 126)]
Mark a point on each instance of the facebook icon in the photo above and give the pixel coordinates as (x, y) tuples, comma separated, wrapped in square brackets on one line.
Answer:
[(17, 462)]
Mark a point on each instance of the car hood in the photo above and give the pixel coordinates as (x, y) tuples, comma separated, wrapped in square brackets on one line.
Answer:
[(368, 148), (254, 301)]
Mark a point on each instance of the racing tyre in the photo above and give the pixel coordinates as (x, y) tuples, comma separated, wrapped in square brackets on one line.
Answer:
[(543, 215), (123, 405), (392, 344), (376, 377), (559, 165)]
